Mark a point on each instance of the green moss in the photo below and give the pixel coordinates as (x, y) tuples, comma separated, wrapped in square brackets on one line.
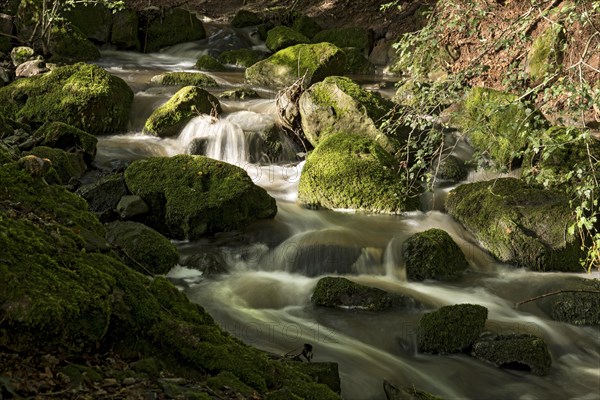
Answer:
[(433, 254), (353, 172), (8, 154), (175, 26), (227, 381), (241, 57), (68, 44), (20, 54), (244, 18), (93, 20), (243, 93), (451, 329), (82, 95), (209, 63), (451, 168), (66, 137), (312, 61), (357, 63), (498, 124), (341, 292), (306, 26), (281, 37), (346, 37), (518, 223), (191, 196), (143, 249), (546, 52), (67, 165), (184, 79), (171, 117)]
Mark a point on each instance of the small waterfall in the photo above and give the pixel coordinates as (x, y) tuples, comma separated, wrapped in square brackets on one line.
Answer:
[(392, 259)]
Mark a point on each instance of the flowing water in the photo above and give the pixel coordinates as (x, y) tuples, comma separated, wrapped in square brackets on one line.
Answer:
[(275, 265)]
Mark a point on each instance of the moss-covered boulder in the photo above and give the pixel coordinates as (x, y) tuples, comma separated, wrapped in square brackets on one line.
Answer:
[(93, 20), (322, 372), (520, 224), (191, 196), (69, 45), (360, 38), (56, 296), (314, 62), (343, 293), (307, 26), (348, 171), (546, 53), (104, 195), (514, 351), (451, 168), (338, 104), (171, 117), (67, 165), (281, 37), (20, 54), (82, 95), (68, 138), (209, 63), (244, 18), (184, 79), (174, 26), (124, 32), (142, 248), (497, 124), (8, 154), (357, 63), (433, 254), (396, 392), (241, 57), (576, 301), (243, 93), (451, 329)]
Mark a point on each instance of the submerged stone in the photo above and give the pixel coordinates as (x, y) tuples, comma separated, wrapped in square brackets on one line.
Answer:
[(451, 329), (192, 196)]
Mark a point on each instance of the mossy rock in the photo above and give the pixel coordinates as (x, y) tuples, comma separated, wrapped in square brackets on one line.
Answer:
[(518, 351), (343, 293), (348, 171), (433, 254), (8, 154), (306, 26), (579, 304), (184, 79), (497, 124), (124, 33), (314, 62), (226, 381), (241, 57), (69, 45), (209, 63), (104, 195), (451, 329), (187, 103), (244, 18), (427, 61), (338, 104), (357, 63), (518, 223), (451, 168), (172, 27), (191, 196), (546, 53), (67, 165), (20, 54), (82, 95), (142, 248), (243, 93), (93, 20), (281, 37), (68, 138), (322, 372), (396, 392), (360, 38)]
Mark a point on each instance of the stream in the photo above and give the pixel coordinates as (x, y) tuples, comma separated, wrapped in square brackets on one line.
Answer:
[(275, 265)]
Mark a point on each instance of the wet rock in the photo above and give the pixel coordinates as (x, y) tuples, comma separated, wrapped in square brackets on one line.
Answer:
[(347, 171), (93, 20), (191, 196), (171, 117), (142, 248), (82, 95), (171, 27), (451, 329), (343, 293), (67, 165), (578, 304), (124, 33), (325, 373), (452, 169), (68, 138), (209, 63), (130, 207), (282, 37), (313, 62), (240, 94), (433, 254), (395, 392), (514, 351), (359, 38), (241, 57), (211, 263), (184, 79), (244, 18), (104, 195), (20, 54), (518, 223), (31, 68)]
